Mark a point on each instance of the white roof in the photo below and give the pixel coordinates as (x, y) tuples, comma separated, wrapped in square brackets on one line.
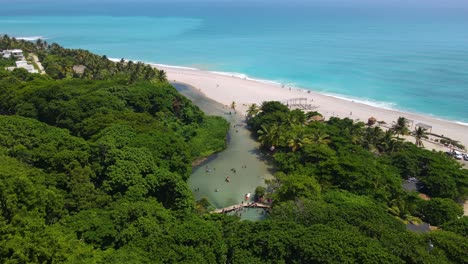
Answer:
[(24, 65), (21, 63)]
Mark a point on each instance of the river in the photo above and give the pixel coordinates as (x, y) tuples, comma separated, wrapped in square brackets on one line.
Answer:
[(242, 161)]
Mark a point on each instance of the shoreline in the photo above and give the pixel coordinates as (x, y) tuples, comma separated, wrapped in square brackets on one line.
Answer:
[(225, 88), (365, 101)]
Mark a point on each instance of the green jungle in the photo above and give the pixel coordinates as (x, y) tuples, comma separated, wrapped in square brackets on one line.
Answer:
[(94, 164)]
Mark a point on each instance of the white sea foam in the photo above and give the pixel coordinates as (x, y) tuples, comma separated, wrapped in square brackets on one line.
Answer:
[(174, 67), (461, 123), (114, 59), (232, 74), (31, 38), (246, 77)]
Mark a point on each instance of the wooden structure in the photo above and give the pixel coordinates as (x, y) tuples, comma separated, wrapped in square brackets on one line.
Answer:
[(240, 206), (316, 118), (427, 127), (299, 103), (371, 121)]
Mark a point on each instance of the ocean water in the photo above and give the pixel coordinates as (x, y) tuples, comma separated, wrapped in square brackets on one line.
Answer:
[(406, 57)]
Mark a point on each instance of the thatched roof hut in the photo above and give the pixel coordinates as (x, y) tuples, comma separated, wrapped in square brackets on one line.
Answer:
[(371, 121), (317, 118)]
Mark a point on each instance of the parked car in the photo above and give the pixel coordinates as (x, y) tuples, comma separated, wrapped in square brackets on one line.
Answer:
[(458, 156), (465, 157)]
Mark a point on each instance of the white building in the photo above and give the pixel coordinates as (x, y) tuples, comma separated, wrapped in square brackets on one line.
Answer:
[(23, 64), (15, 53)]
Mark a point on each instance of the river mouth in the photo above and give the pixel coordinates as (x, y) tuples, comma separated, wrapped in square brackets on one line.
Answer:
[(241, 162)]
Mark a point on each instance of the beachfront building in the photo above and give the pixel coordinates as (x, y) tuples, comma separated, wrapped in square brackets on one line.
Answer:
[(24, 65), (15, 53)]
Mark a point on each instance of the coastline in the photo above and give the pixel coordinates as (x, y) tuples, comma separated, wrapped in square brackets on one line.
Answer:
[(225, 88)]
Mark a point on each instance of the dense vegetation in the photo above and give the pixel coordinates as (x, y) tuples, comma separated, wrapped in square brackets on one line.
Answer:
[(348, 176), (93, 170), (59, 62)]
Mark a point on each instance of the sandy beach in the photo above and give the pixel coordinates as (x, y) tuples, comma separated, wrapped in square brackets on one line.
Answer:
[(228, 88)]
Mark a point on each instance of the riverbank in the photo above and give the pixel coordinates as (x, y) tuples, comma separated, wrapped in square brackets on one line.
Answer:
[(241, 161), (228, 88)]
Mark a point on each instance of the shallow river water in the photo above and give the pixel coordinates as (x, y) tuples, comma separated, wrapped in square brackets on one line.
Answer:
[(241, 161)]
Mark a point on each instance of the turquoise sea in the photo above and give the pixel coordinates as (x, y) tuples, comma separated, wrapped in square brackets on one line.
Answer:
[(405, 56)]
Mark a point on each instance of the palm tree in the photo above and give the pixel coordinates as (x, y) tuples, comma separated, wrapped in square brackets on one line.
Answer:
[(297, 138), (298, 142), (252, 110), (419, 134), (162, 76), (371, 137), (39, 43), (270, 136), (401, 126), (354, 131), (320, 138), (292, 121), (263, 135), (388, 142)]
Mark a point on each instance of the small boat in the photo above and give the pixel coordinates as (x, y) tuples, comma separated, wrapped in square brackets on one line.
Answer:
[(228, 179), (247, 196)]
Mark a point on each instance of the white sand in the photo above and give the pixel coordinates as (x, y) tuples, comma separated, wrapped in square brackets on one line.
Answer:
[(226, 89)]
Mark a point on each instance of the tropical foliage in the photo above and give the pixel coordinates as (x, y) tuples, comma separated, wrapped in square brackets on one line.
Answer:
[(419, 134), (349, 176), (400, 127)]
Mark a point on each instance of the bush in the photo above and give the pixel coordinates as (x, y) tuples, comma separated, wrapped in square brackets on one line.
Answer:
[(440, 210), (259, 192)]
